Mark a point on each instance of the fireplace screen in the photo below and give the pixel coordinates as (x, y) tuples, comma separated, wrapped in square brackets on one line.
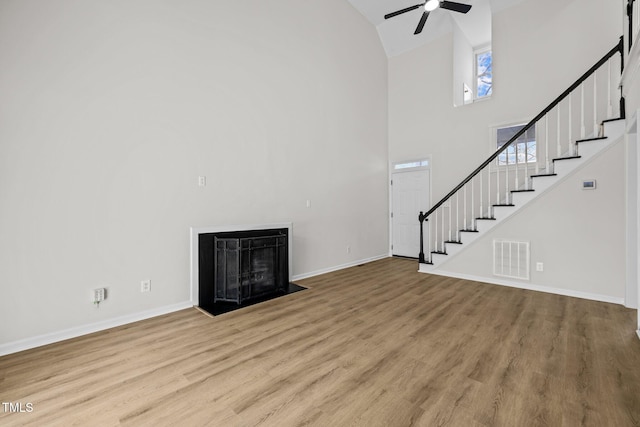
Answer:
[(250, 267)]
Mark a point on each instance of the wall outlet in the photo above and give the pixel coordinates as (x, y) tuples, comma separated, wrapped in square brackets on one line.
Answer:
[(98, 295), (202, 181), (145, 286), (348, 249), (539, 266)]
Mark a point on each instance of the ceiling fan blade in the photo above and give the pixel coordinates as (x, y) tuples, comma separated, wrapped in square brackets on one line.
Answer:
[(420, 26), (399, 12), (456, 7)]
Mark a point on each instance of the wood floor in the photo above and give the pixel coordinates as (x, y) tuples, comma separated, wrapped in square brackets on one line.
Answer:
[(375, 345)]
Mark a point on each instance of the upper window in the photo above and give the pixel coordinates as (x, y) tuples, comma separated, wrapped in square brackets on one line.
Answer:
[(484, 73), (524, 150)]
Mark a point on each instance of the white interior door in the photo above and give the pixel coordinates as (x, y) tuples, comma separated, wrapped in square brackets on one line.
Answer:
[(409, 196)]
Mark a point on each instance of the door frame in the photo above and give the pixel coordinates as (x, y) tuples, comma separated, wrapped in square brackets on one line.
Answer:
[(393, 169)]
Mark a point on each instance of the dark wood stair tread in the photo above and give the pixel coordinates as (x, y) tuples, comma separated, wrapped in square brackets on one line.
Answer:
[(544, 174), (566, 158), (591, 139)]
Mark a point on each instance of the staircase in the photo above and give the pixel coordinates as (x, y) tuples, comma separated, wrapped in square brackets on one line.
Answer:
[(583, 121)]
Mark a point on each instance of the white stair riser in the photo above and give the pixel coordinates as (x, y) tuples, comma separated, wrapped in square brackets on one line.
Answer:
[(438, 258), (483, 225), (541, 183), (589, 148), (467, 238), (614, 129), (519, 199), (501, 212), (563, 167), (452, 248)]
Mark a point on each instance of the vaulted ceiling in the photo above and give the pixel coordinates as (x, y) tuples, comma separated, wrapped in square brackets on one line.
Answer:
[(396, 34)]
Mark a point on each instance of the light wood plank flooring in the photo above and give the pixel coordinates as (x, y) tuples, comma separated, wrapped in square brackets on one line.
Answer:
[(374, 345)]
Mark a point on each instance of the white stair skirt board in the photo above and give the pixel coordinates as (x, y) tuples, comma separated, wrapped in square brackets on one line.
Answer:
[(614, 132), (527, 286), (40, 340)]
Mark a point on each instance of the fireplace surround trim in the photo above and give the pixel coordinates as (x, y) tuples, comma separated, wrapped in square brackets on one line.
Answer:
[(195, 232)]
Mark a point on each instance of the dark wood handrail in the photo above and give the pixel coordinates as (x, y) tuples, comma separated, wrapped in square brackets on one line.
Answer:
[(619, 48)]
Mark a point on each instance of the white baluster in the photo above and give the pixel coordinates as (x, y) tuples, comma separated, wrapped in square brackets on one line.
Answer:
[(473, 206), (428, 257), (582, 127), (450, 222), (546, 144), (489, 189), (481, 198), (442, 234), (515, 182), (636, 13), (537, 132), (558, 147), (498, 181), (570, 151), (506, 177), (435, 226), (526, 161), (610, 105), (457, 216), (465, 207), (595, 104)]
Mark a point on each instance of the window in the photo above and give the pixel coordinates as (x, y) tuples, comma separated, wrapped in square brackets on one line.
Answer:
[(524, 150), (410, 165), (484, 73)]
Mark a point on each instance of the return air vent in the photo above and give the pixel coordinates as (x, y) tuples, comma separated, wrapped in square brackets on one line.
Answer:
[(511, 259)]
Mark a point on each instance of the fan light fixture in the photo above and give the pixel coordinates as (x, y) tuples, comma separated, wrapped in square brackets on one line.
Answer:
[(431, 5)]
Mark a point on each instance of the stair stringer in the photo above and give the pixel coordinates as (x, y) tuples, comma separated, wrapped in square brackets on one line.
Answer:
[(588, 151)]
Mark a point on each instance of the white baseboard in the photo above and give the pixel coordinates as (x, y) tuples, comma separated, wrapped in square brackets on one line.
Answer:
[(338, 267), (532, 287), (40, 340)]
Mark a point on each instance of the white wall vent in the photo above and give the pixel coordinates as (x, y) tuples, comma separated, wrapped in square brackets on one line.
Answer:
[(511, 259)]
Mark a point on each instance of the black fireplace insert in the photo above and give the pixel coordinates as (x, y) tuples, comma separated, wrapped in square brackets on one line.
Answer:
[(242, 266)]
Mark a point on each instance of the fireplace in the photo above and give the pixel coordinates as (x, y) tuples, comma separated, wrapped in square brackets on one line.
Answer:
[(240, 266), (249, 266)]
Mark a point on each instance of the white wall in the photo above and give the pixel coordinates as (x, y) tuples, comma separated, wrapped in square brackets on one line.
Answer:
[(111, 110), (539, 49), (463, 65)]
